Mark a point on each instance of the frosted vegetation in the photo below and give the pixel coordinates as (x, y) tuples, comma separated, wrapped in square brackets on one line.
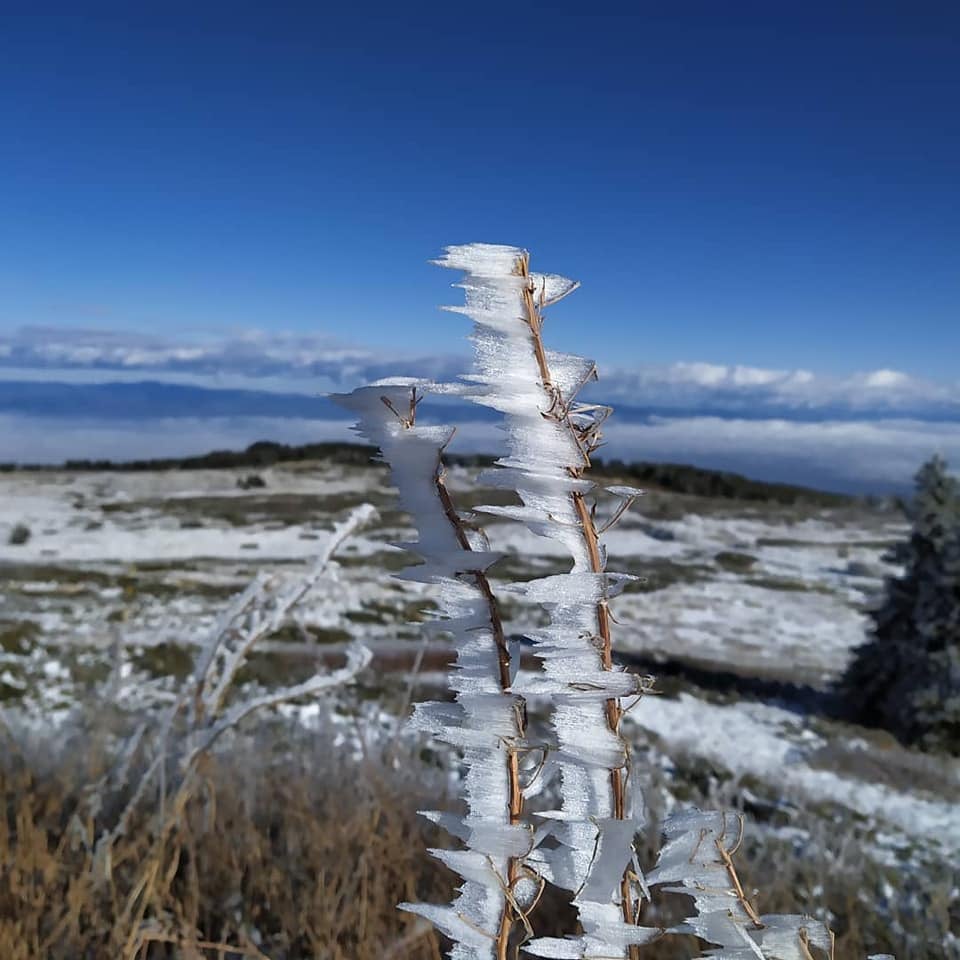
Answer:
[(585, 843), (198, 604), (907, 676)]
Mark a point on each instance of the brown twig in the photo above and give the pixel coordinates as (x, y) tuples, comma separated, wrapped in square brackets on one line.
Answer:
[(726, 857), (411, 418), (156, 936), (587, 439), (804, 939), (512, 913)]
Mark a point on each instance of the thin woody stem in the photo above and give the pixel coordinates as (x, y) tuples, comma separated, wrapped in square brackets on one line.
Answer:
[(726, 857), (561, 414), (511, 912), (483, 584)]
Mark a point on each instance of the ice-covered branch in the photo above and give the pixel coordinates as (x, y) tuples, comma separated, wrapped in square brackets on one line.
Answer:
[(198, 716), (585, 845), (698, 858), (358, 658), (487, 720), (550, 439), (259, 611)]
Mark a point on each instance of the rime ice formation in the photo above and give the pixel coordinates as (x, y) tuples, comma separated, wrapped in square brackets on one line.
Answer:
[(585, 845), (549, 440), (486, 721), (696, 856)]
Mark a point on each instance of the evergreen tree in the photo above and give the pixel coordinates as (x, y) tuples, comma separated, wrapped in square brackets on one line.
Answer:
[(906, 678)]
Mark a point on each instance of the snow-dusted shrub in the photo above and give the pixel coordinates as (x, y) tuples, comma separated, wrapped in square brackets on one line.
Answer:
[(203, 710), (906, 677), (586, 844)]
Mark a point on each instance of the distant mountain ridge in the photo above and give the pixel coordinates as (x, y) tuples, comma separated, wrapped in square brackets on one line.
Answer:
[(156, 399), (151, 399), (677, 478), (50, 421)]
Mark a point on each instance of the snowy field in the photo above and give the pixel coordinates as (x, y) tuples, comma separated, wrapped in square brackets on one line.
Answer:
[(751, 609), (757, 589)]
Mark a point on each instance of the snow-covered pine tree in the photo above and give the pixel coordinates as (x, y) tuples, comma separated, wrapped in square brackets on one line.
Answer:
[(906, 677)]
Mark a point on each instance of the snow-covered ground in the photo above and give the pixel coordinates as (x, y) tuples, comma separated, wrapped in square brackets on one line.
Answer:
[(761, 592), (774, 746), (129, 568)]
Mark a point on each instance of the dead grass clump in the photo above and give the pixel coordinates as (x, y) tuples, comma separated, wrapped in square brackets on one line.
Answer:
[(872, 908), (302, 856), (293, 851)]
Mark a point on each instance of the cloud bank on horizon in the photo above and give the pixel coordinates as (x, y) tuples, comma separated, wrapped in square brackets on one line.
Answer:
[(301, 363), (867, 430)]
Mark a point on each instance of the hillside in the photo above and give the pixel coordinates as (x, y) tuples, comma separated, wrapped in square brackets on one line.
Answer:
[(673, 477)]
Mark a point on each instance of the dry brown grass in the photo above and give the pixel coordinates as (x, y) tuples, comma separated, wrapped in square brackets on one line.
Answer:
[(290, 851), (302, 857)]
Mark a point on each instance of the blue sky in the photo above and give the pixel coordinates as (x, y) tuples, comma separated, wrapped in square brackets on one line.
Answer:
[(770, 185), (762, 201)]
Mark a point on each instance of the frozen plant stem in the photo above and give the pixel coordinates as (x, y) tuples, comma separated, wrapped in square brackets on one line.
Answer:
[(199, 716), (491, 722), (511, 913), (585, 844), (483, 584), (587, 442), (550, 438)]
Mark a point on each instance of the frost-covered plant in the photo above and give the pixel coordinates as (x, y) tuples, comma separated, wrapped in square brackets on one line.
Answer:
[(586, 844), (487, 719), (698, 856), (202, 711), (906, 677)]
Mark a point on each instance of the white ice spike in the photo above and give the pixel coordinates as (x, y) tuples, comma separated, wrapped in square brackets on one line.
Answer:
[(548, 449), (486, 719)]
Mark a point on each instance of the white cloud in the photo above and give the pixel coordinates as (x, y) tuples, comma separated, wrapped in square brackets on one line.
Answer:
[(754, 376), (886, 378), (701, 374), (849, 454), (252, 353), (852, 456), (764, 392), (303, 363)]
